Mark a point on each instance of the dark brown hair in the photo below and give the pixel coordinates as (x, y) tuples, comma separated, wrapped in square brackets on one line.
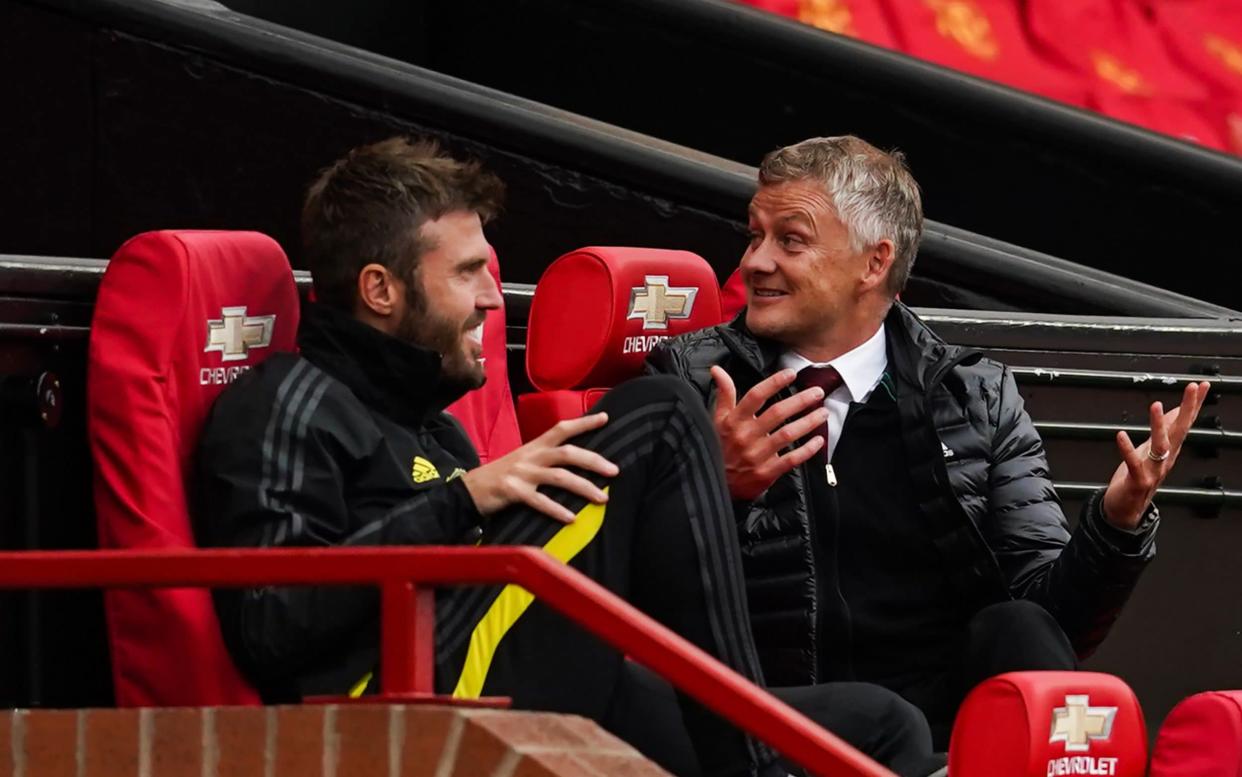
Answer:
[(369, 206)]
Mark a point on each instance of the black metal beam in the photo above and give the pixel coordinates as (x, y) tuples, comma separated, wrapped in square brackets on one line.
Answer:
[(1216, 499), (739, 82), (1117, 379), (1073, 430), (988, 269)]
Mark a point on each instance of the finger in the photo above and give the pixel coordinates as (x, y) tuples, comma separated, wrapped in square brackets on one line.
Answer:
[(1129, 454), (1182, 418), (1159, 442), (1175, 434), (765, 390), (575, 484), (782, 411), (797, 429), (726, 393), (573, 456), (548, 506), (800, 455), (572, 427)]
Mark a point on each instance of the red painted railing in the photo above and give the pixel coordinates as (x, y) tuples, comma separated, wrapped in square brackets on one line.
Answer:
[(407, 619)]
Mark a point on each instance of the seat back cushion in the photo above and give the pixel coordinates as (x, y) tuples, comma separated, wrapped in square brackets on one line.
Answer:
[(180, 314)]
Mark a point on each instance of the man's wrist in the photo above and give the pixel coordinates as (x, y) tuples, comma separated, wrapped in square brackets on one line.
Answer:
[(1117, 509), (1128, 541), (1147, 519), (473, 489)]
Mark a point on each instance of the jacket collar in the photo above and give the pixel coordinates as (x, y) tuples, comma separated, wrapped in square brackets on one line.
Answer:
[(758, 353), (400, 380), (918, 356)]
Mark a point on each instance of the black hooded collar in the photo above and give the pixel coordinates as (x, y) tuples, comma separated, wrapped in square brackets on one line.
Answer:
[(400, 380)]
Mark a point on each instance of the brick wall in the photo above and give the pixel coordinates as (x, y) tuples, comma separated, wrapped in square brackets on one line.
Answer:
[(310, 741)]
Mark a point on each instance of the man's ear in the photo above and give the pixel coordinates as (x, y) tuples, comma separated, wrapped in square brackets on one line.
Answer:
[(379, 291), (879, 264)]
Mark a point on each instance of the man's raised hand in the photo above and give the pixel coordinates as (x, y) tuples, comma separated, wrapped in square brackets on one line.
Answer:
[(752, 441), (544, 461), (1144, 468)]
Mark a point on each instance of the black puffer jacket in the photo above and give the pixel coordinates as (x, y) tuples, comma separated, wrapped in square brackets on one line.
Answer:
[(980, 476)]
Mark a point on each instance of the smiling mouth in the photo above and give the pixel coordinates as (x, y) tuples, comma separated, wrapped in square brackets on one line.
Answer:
[(474, 340), (768, 293)]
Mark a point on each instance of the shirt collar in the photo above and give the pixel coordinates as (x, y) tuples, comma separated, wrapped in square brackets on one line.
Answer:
[(860, 369)]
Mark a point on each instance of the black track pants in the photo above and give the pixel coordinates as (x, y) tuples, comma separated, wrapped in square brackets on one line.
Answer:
[(665, 541)]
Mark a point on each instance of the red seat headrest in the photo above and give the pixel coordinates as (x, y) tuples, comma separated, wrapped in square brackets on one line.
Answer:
[(1049, 724), (597, 312), (1201, 737), (733, 296)]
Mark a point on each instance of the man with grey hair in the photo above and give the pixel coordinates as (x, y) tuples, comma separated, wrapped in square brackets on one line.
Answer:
[(897, 520)]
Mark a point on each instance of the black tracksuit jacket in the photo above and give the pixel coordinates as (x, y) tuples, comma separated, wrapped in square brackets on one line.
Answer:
[(343, 444)]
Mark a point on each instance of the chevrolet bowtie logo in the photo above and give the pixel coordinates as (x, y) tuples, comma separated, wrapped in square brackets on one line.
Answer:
[(657, 303), (235, 333), (1077, 723)]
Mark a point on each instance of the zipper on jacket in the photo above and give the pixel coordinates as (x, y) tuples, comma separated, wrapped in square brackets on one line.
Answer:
[(847, 614)]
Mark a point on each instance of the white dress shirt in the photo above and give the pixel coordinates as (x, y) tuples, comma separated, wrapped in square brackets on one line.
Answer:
[(861, 370)]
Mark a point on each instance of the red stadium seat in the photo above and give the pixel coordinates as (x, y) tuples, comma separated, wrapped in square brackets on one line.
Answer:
[(1204, 37), (861, 19), (985, 38), (732, 296), (597, 312), (1118, 50), (487, 414), (1201, 737), (179, 316), (1049, 724)]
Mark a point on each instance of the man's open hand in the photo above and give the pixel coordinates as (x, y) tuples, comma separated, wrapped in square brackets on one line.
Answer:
[(1144, 468), (544, 461), (752, 442)]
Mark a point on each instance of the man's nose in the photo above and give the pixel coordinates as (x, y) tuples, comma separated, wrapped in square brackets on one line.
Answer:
[(491, 298), (758, 260)]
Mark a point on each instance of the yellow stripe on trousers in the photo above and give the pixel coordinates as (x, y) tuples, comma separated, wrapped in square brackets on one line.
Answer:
[(513, 601)]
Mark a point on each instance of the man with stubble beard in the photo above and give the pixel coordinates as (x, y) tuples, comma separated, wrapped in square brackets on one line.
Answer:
[(345, 443)]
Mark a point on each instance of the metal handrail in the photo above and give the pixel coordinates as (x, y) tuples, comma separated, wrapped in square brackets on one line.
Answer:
[(407, 619), (1121, 379), (1083, 430), (1213, 500)]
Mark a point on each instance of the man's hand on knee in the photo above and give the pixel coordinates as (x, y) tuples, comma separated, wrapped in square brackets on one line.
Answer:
[(752, 441), (544, 461)]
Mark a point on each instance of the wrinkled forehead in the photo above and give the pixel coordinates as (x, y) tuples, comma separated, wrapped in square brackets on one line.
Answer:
[(801, 200)]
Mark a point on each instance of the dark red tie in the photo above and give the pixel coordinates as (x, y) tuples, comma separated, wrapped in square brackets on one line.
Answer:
[(829, 380)]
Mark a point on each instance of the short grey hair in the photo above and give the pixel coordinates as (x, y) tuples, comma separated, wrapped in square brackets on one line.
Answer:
[(873, 193)]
